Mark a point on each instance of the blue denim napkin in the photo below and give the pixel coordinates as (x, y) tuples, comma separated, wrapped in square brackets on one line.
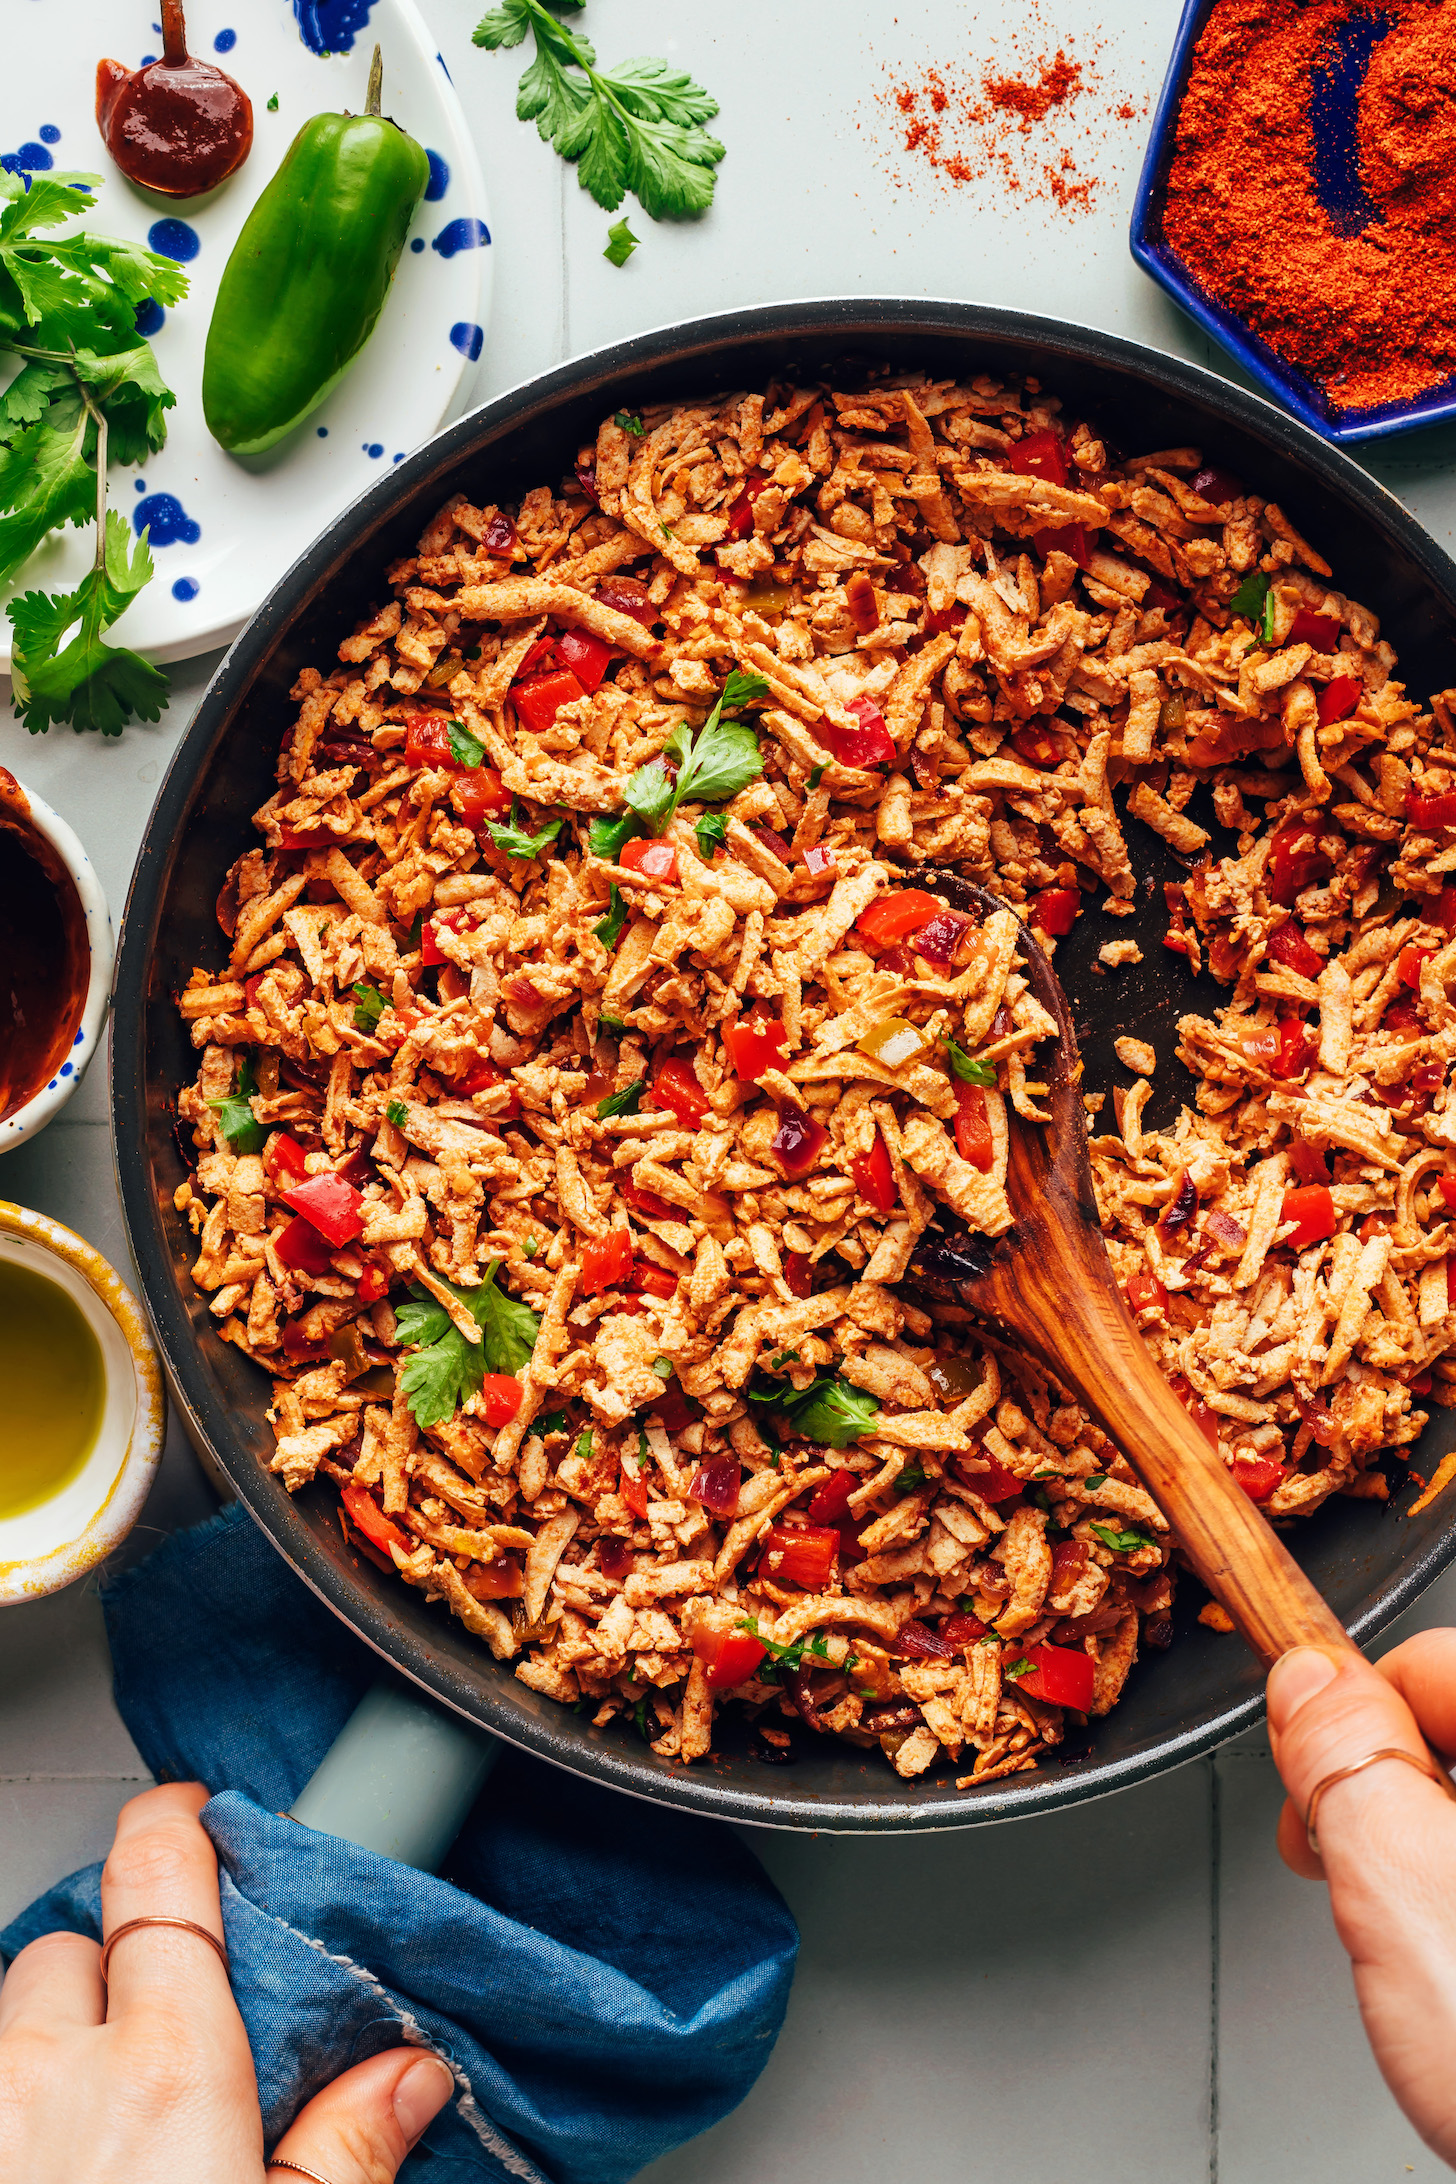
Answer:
[(606, 1977)]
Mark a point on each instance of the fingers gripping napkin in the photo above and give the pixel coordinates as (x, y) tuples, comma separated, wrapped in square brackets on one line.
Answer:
[(604, 1979)]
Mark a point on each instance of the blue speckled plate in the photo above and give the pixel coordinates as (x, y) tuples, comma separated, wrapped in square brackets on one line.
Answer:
[(221, 529)]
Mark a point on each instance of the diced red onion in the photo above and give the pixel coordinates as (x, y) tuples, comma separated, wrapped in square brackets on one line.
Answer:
[(797, 1142), (499, 535), (614, 1555), (1184, 1205), (716, 1485), (1226, 1230), (920, 1643), (940, 940)]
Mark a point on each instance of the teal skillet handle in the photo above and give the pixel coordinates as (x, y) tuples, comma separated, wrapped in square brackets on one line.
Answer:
[(400, 1777)]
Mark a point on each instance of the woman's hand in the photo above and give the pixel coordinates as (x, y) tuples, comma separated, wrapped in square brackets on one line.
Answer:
[(1387, 1843), (150, 2076)]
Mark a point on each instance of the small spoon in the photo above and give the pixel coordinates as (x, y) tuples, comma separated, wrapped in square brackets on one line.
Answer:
[(1048, 1284)]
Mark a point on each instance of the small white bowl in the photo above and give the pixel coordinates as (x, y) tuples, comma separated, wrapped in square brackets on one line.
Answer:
[(45, 1548), (23, 804)]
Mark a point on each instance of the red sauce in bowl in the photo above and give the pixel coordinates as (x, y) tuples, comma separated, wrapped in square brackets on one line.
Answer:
[(45, 958), (179, 126)]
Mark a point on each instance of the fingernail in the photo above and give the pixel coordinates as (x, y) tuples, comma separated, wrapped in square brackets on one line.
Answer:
[(421, 2093), (1294, 1679)]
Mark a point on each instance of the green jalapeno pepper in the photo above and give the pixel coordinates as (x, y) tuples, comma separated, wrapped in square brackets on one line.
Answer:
[(309, 273)]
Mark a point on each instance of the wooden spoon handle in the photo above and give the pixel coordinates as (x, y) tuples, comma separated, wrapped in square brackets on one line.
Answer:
[(1226, 1538)]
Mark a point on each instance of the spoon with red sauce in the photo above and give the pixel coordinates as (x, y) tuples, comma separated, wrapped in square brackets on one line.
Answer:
[(178, 126)]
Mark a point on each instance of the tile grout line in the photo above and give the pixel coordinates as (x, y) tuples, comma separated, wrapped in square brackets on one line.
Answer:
[(1215, 1859), (12, 1781)]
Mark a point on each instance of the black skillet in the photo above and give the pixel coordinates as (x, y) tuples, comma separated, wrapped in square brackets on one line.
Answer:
[(1369, 1562)]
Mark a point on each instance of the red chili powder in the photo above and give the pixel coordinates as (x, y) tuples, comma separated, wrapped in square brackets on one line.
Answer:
[(1017, 128), (1369, 317)]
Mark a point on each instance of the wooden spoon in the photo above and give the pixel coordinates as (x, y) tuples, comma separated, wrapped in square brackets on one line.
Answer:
[(1048, 1284)]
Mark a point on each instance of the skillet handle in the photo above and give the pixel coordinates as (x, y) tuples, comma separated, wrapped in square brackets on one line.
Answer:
[(399, 1778)]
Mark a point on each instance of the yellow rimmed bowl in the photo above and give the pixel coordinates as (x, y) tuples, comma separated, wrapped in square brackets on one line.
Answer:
[(64, 1536)]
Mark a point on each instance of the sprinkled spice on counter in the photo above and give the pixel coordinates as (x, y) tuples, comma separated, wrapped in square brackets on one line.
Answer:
[(1359, 293)]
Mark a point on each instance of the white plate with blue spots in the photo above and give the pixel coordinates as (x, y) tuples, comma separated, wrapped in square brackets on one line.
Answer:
[(222, 531)]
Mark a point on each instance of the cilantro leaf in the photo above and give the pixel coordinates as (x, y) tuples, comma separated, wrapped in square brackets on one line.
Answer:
[(1249, 599), (789, 1656), (621, 243), (652, 794), (369, 1006), (626, 1102), (584, 1443), (1123, 1542), (397, 1113), (508, 1328), (438, 1378), (816, 776), (609, 930), (467, 750), (606, 836), (445, 1368), (712, 833), (552, 1421), (638, 127), (87, 682), (724, 760), (241, 1128), (711, 767), (516, 843), (968, 1067), (910, 1478), (830, 1411), (626, 422), (420, 1321), (1018, 1669)]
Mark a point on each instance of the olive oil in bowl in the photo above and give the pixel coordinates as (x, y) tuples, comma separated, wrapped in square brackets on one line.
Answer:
[(54, 1379)]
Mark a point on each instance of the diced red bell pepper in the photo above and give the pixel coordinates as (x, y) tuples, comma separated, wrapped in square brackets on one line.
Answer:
[(994, 1484), (1308, 1162), (538, 660), (1059, 1676), (1320, 630), (366, 1513), (1295, 863), (479, 794), (1258, 1475), (892, 917), (799, 1273), (653, 1281), (675, 1087), (754, 1047), (1159, 594), (454, 921), (1409, 965), (1312, 1209), (673, 1407), (1297, 1049), (372, 1284), (943, 619), (1289, 947), (299, 1347), (302, 838), (1070, 539), (333, 1206), (800, 1554), (1039, 455), (740, 511), (1144, 1290), (797, 1143), (1446, 1185), (301, 1247), (633, 1488), (829, 1503), (874, 1178), (1054, 910), (427, 741), (730, 1657), (1431, 811), (1419, 1089), (586, 656), (650, 1204), (973, 1127), (1037, 747), (1443, 911), (501, 1394), (961, 1630), (606, 1262), (1204, 1416), (1338, 699), (538, 701), (870, 744), (654, 860), (284, 1155)]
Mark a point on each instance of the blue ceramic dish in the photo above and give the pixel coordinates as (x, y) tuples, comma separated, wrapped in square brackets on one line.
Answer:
[(1339, 188)]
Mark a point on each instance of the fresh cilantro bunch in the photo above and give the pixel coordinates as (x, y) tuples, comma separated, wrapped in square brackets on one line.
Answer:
[(445, 1368), (637, 127), (708, 768), (88, 391), (831, 1411)]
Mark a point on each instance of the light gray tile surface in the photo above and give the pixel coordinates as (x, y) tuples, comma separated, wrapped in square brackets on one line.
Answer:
[(1135, 1991)]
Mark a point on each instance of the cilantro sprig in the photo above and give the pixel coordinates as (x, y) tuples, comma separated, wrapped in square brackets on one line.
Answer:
[(244, 1133), (445, 1368), (968, 1067), (626, 1102), (786, 1656), (831, 1411), (621, 243), (369, 1006), (467, 750), (88, 389), (609, 929), (638, 127), (708, 768), (516, 842)]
